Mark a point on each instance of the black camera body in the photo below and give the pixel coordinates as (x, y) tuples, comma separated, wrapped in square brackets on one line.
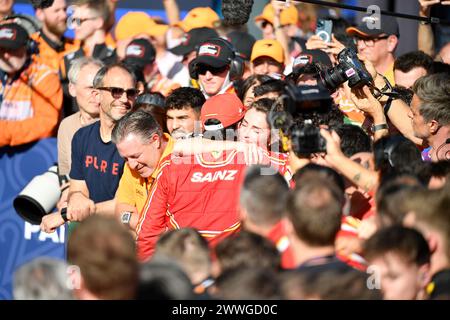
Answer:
[(305, 137), (306, 140), (350, 69)]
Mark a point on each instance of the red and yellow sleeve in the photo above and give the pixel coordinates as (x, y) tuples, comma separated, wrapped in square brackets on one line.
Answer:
[(152, 222)]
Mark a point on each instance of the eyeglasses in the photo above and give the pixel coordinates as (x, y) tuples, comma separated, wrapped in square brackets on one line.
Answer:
[(370, 42), (117, 93), (264, 24), (72, 21), (202, 69)]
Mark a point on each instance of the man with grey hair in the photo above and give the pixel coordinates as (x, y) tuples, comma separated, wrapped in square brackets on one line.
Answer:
[(141, 142), (430, 115), (81, 77), (42, 279)]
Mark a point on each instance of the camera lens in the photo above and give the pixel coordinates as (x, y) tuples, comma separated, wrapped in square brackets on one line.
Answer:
[(333, 78)]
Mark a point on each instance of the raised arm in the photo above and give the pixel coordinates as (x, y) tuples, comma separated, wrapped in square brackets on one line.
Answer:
[(356, 173), (425, 32), (172, 11)]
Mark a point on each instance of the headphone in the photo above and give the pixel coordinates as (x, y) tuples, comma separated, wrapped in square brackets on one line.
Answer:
[(30, 25), (236, 63)]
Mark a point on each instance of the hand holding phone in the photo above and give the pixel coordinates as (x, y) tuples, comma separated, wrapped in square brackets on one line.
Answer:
[(324, 29)]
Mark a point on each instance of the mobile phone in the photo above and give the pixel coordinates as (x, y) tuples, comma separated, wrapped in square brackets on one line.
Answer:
[(324, 29)]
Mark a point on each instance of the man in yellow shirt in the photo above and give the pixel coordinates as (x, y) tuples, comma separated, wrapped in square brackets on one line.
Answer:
[(376, 39), (134, 185)]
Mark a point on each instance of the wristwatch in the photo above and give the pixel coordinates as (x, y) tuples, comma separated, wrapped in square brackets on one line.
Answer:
[(64, 214), (125, 217), (379, 127)]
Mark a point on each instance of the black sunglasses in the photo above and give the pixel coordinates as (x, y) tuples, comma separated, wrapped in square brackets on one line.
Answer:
[(202, 69), (264, 24), (117, 93)]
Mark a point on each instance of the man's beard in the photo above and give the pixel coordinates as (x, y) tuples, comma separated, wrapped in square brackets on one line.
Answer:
[(57, 28)]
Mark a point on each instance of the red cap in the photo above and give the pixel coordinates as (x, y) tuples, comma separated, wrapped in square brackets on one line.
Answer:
[(227, 108)]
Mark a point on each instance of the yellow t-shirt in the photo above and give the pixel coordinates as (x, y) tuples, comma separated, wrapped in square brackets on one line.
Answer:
[(133, 188), (389, 74)]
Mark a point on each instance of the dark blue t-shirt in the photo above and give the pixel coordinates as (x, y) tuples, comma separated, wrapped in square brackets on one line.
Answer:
[(96, 162)]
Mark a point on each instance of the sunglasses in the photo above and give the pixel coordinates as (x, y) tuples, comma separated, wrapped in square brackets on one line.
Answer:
[(370, 42), (117, 93), (202, 69), (77, 22)]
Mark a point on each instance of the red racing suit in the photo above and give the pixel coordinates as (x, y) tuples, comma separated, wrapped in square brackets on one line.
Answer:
[(195, 191), (199, 191)]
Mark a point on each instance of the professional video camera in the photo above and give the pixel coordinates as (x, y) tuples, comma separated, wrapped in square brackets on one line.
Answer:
[(350, 69), (305, 137)]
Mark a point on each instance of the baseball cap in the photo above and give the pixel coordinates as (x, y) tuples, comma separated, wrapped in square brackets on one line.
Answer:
[(137, 22), (243, 43), (13, 36), (214, 53), (155, 99), (197, 18), (140, 52), (288, 15), (268, 48), (312, 56), (226, 107), (192, 39), (388, 25)]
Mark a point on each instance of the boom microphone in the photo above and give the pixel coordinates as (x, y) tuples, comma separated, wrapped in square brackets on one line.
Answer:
[(41, 4), (236, 12)]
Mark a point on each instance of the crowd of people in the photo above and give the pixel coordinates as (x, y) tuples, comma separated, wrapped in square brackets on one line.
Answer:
[(207, 164)]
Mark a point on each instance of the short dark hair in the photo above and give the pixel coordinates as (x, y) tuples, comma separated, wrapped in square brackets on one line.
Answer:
[(247, 250), (440, 169), (264, 196), (184, 98), (340, 26), (315, 210), (408, 243), (163, 279), (396, 155), (139, 122), (244, 284), (439, 67), (271, 85), (312, 170), (414, 59), (353, 139), (242, 86), (103, 71), (392, 198), (188, 248), (331, 284), (263, 105)]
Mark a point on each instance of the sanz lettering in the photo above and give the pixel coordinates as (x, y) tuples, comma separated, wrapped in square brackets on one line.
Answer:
[(224, 175)]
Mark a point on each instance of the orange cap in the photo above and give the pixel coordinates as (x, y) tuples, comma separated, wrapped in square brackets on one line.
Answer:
[(199, 17), (226, 107), (268, 48), (288, 15), (138, 22)]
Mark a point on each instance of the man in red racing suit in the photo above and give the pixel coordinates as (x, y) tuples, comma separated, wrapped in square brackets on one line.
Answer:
[(196, 191)]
